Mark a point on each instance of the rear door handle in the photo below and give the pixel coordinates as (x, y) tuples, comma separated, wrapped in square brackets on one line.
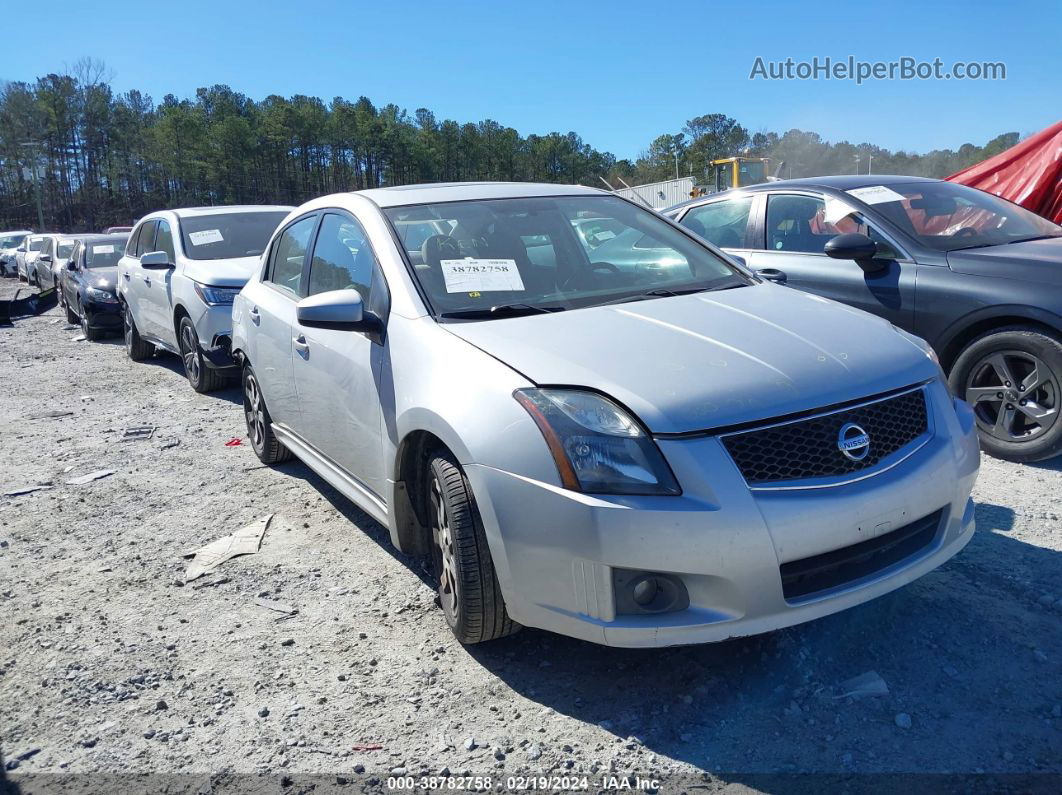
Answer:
[(300, 344)]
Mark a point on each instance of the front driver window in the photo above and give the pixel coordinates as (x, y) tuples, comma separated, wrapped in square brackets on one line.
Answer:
[(164, 240), (289, 255), (722, 223), (342, 258), (805, 224)]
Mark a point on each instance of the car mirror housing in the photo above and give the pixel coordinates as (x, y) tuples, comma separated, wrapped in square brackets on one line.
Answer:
[(856, 247), (159, 260), (342, 310), (71, 265)]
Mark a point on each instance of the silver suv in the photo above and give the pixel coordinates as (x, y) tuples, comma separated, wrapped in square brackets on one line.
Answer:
[(636, 455)]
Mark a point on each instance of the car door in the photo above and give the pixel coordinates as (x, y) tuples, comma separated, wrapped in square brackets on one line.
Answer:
[(337, 372), (270, 306), (791, 237), (136, 280), (68, 275), (158, 285), (42, 268)]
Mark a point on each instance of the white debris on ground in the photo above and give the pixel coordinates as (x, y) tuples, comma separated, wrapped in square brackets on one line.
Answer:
[(111, 662)]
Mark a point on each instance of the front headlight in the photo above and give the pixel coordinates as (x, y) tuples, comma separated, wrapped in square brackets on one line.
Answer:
[(597, 446), (103, 296), (215, 296)]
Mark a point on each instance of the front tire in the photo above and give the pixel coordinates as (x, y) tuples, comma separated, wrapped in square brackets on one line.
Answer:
[(91, 334), (1012, 378), (469, 593), (259, 424), (135, 348), (202, 378)]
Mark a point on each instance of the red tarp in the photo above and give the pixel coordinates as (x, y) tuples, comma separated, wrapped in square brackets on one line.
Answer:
[(1029, 174)]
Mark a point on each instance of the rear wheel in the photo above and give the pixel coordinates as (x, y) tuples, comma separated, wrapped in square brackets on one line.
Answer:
[(1012, 378), (259, 424), (135, 348), (200, 376), (469, 593)]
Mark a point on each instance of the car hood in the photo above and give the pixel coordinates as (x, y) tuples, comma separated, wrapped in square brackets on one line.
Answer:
[(221, 272), (710, 360), (101, 278), (1032, 260)]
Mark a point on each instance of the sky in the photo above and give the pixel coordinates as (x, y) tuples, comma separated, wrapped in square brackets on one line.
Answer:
[(618, 73)]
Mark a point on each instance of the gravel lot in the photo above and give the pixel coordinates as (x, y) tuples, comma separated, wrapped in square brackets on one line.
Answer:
[(111, 665)]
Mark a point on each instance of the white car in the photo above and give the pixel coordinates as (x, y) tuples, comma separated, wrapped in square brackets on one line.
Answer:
[(178, 276), (9, 243), (26, 255)]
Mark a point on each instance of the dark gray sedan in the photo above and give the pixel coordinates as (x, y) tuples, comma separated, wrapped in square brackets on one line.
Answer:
[(978, 277)]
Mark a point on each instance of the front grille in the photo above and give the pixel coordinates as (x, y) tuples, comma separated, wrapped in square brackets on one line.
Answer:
[(804, 449), (809, 576)]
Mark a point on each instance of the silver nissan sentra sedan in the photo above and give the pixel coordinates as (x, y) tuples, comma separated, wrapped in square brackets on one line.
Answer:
[(635, 456)]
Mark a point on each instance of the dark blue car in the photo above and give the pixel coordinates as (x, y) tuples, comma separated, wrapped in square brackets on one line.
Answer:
[(87, 284), (978, 277)]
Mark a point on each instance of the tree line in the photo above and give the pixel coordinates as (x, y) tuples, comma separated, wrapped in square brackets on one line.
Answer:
[(104, 158)]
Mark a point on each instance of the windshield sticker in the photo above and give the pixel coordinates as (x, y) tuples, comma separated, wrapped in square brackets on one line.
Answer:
[(876, 194), (103, 249), (604, 234), (481, 275), (205, 236)]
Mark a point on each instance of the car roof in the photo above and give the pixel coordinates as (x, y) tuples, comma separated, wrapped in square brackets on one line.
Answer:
[(98, 236), (401, 195), (191, 212)]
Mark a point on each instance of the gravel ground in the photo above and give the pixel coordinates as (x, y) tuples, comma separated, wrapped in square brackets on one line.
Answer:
[(111, 665)]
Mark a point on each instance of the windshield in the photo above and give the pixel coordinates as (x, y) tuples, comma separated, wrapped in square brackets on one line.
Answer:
[(945, 216), (36, 243), (12, 241), (228, 235), (751, 173), (104, 253), (529, 254)]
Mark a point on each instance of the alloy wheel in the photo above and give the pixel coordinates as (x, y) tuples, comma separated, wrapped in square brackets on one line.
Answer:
[(84, 319), (127, 325), (190, 353), (254, 411), (1014, 395), (442, 535)]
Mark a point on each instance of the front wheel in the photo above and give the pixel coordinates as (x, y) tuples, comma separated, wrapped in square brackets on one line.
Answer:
[(469, 593), (1011, 378), (202, 378), (91, 334)]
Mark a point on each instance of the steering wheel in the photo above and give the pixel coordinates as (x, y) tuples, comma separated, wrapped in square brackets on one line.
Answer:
[(603, 267)]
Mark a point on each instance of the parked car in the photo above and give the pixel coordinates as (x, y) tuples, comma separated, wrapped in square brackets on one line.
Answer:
[(975, 275), (26, 255), (178, 276), (88, 284), (627, 457), (62, 250), (9, 243)]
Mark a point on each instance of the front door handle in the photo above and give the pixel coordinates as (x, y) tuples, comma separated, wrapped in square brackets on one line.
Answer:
[(772, 275), (300, 344), (256, 317)]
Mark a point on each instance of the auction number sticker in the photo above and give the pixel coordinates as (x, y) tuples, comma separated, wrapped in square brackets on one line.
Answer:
[(103, 249), (472, 275), (205, 236), (876, 194)]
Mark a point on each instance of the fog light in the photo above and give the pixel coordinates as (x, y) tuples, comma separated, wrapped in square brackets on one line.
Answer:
[(645, 591)]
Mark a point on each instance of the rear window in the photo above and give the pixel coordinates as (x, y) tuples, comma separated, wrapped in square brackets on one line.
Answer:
[(104, 253), (228, 235)]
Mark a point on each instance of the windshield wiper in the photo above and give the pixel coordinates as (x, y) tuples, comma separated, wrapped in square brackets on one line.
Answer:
[(502, 310), (1027, 239), (664, 292)]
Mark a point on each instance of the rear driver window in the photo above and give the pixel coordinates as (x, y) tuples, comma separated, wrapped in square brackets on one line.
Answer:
[(289, 255)]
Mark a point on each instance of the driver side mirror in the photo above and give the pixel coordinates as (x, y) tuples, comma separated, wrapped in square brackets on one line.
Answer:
[(44, 258), (71, 265), (856, 247), (156, 260)]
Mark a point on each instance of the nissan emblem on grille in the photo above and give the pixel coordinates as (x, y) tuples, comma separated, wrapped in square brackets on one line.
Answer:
[(853, 441)]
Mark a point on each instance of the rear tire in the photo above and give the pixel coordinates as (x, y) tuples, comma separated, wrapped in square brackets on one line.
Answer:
[(469, 593), (259, 424), (202, 378), (135, 348), (1012, 378)]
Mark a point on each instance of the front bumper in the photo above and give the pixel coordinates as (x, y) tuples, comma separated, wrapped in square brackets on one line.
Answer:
[(213, 325), (557, 551), (103, 315)]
